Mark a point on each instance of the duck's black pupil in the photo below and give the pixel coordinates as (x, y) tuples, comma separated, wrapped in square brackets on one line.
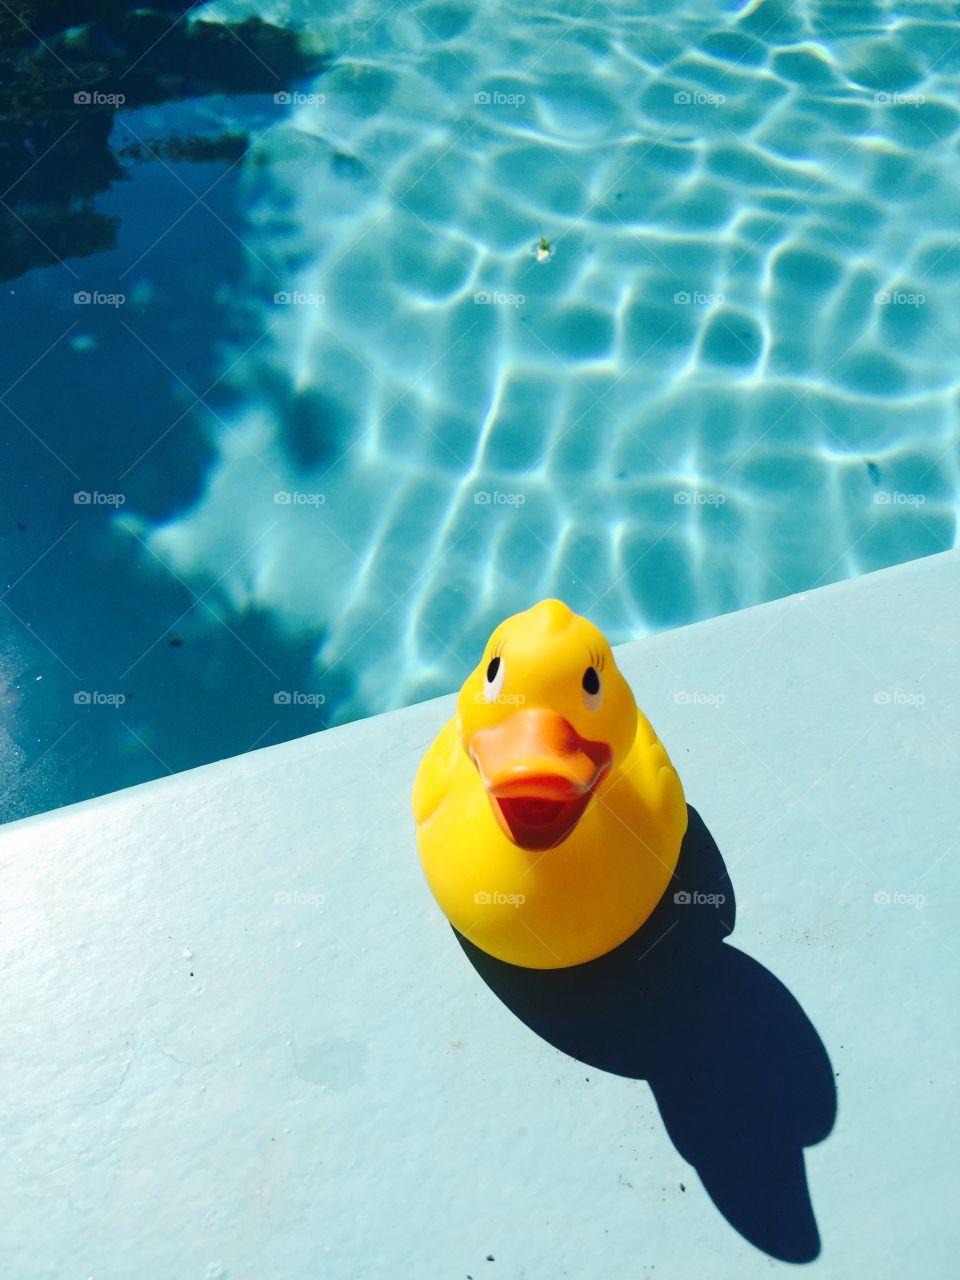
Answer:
[(591, 680), (493, 666)]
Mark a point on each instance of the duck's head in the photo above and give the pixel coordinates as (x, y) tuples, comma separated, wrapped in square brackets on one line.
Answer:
[(545, 717)]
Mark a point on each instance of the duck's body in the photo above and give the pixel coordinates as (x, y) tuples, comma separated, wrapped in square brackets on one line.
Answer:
[(549, 815)]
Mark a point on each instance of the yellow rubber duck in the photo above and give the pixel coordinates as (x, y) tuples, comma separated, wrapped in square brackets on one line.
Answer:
[(549, 817)]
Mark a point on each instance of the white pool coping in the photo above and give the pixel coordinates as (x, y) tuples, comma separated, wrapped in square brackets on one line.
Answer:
[(240, 1039)]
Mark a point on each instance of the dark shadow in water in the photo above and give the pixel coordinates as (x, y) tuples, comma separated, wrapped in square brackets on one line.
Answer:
[(742, 1079), (68, 69), (131, 400)]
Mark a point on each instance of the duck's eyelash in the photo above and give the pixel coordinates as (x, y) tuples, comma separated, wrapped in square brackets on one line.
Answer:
[(596, 659)]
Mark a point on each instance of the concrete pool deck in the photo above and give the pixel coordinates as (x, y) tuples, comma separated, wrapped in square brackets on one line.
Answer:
[(240, 1040)]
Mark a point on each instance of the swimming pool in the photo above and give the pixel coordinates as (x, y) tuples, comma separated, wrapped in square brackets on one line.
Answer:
[(347, 416)]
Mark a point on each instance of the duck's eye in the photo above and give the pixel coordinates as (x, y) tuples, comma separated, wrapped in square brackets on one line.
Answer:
[(493, 682), (592, 689)]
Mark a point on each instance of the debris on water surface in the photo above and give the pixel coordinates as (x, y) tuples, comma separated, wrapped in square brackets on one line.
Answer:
[(543, 249)]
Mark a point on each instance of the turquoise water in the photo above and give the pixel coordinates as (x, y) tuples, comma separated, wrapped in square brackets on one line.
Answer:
[(732, 374)]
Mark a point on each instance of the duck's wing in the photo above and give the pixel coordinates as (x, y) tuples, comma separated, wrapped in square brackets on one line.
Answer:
[(435, 772), (651, 771)]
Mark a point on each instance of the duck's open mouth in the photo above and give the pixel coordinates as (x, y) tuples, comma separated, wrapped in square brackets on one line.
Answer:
[(539, 774), (535, 823)]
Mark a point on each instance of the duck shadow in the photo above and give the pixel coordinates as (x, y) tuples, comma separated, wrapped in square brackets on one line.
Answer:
[(742, 1080)]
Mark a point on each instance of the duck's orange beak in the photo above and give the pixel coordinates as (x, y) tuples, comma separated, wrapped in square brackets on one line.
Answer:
[(539, 774)]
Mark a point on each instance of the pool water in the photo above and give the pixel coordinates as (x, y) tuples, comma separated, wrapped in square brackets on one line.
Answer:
[(352, 410)]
